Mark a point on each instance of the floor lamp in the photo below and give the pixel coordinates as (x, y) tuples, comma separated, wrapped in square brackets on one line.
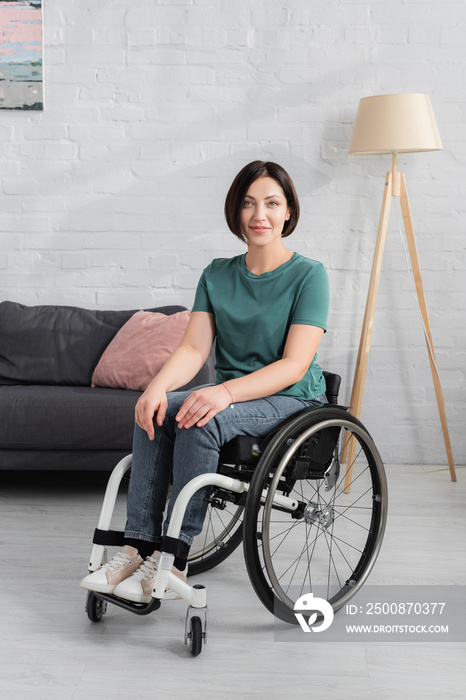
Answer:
[(392, 124)]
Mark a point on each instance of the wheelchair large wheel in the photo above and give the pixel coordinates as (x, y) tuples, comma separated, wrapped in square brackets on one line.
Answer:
[(302, 532)]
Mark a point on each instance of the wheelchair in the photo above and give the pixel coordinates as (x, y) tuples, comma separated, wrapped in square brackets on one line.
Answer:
[(308, 522)]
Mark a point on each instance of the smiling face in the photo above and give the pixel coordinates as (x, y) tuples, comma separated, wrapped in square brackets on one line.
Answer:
[(264, 212)]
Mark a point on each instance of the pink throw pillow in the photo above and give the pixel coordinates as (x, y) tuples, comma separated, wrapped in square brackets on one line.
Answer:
[(139, 350)]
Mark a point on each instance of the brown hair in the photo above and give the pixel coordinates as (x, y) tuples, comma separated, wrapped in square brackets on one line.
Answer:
[(239, 188)]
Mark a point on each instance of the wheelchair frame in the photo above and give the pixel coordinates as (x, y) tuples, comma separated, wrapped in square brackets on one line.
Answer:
[(300, 453)]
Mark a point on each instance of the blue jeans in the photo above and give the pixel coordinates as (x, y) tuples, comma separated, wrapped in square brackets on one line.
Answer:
[(188, 453)]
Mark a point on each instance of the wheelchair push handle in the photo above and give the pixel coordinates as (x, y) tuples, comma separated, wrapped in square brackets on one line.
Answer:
[(332, 382)]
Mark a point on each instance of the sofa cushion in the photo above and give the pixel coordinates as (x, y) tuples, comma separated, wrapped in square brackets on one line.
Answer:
[(66, 418), (57, 345), (139, 350)]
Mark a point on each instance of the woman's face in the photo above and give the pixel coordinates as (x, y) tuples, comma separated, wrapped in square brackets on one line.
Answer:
[(264, 212)]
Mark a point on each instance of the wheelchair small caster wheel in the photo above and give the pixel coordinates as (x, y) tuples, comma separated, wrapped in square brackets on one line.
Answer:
[(195, 635), (95, 607)]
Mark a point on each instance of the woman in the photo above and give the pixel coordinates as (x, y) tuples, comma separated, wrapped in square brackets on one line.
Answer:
[(267, 310)]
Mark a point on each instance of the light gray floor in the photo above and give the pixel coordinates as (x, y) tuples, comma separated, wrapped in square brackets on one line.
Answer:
[(50, 651)]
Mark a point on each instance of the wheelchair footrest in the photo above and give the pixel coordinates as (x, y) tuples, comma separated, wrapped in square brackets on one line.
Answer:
[(136, 608)]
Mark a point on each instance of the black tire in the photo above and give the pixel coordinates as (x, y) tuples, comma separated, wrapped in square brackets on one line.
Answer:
[(315, 540), (220, 536), (95, 607), (195, 636)]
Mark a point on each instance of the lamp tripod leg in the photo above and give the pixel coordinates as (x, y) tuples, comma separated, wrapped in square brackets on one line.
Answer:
[(412, 247), (366, 332)]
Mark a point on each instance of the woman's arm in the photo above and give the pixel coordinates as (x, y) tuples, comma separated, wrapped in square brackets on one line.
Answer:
[(192, 352), (182, 365), (301, 345)]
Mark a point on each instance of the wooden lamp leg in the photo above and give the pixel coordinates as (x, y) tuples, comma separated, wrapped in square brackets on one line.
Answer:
[(412, 247), (366, 332)]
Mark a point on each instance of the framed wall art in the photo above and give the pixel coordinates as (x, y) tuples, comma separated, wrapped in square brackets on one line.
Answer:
[(21, 48)]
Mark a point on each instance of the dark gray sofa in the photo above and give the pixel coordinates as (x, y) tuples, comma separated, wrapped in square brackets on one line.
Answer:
[(50, 417)]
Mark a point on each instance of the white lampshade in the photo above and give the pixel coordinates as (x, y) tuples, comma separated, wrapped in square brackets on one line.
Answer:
[(395, 124)]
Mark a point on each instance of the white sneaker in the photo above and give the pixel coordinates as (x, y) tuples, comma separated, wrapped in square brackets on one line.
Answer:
[(138, 587), (107, 577)]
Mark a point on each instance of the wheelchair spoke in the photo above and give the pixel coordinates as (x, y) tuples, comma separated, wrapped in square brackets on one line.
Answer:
[(353, 505), (296, 564), (331, 564), (221, 534), (279, 534), (209, 527), (354, 522), (330, 541)]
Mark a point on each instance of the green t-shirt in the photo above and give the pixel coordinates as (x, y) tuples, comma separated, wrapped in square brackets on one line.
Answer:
[(253, 314)]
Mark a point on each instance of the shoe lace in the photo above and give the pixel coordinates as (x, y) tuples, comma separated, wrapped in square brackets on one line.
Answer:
[(120, 559), (147, 570)]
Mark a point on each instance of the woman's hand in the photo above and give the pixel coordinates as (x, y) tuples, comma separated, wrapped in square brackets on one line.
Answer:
[(182, 366), (202, 405), (152, 401)]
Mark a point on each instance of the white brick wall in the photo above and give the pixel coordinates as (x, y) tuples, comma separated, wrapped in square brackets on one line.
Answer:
[(113, 196)]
